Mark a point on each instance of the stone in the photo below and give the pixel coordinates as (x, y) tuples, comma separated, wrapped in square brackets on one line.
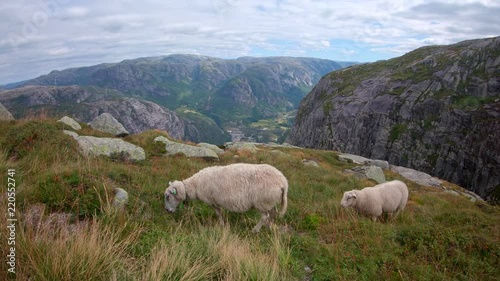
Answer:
[(107, 123), (120, 199), (5, 114), (111, 147), (311, 163), (188, 150), (416, 176), (345, 157), (70, 122), (212, 147), (371, 172), (241, 146)]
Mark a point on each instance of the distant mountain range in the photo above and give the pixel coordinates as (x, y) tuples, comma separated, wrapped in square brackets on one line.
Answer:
[(210, 94), (435, 109)]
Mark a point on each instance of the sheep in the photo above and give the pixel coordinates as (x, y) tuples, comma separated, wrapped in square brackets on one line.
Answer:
[(236, 187), (389, 197)]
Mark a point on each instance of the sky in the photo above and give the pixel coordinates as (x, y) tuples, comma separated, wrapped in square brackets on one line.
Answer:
[(38, 36)]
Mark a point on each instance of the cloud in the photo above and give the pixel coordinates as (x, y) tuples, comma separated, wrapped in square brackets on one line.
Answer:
[(40, 36)]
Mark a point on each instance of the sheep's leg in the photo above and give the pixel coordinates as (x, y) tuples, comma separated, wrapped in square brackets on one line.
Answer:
[(218, 211), (263, 218), (374, 218), (272, 217)]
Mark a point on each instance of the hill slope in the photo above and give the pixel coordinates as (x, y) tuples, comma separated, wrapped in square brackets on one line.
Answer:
[(435, 109), (68, 230)]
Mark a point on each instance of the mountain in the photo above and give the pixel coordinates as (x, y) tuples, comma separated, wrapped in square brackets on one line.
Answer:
[(231, 93), (86, 103), (435, 109)]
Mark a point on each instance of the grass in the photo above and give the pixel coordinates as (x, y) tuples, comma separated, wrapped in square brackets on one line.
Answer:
[(74, 234)]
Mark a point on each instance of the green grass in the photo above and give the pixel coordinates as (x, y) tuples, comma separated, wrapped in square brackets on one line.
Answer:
[(438, 237)]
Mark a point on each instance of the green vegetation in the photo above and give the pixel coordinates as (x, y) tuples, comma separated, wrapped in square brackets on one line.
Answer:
[(468, 102), (438, 237), (208, 130), (396, 131)]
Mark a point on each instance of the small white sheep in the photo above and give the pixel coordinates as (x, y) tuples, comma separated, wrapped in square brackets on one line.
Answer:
[(235, 187), (389, 197)]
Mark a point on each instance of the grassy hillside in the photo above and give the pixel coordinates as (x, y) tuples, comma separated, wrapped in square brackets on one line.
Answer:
[(68, 231)]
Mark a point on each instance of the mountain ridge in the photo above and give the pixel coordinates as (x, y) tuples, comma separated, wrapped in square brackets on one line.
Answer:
[(228, 93)]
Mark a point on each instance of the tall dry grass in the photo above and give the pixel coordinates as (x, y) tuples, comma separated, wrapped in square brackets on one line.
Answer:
[(53, 248), (217, 253)]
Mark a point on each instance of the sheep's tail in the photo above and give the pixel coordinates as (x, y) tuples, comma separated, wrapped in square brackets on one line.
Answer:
[(284, 201)]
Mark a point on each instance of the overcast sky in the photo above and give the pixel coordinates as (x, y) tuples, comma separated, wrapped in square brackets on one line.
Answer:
[(37, 36)]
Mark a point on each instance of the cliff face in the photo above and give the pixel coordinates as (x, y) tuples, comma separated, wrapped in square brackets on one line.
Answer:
[(435, 109), (86, 103)]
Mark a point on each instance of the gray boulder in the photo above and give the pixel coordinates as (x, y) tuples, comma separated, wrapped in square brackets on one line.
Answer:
[(188, 150), (363, 161), (371, 172), (311, 163), (416, 176), (241, 146), (212, 147), (93, 146), (107, 123), (70, 122), (5, 114), (120, 199)]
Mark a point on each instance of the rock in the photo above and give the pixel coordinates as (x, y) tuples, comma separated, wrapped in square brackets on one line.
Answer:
[(5, 114), (423, 110), (70, 122), (416, 176), (188, 150), (371, 172), (283, 145), (311, 163), (71, 133), (120, 199), (107, 123), (212, 147), (452, 192), (241, 145), (363, 161), (111, 147)]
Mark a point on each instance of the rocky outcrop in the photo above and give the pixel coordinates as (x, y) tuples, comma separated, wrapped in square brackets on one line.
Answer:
[(241, 146), (369, 172), (70, 122), (212, 147), (416, 176), (107, 123), (436, 110), (174, 148), (87, 103), (5, 114), (111, 147)]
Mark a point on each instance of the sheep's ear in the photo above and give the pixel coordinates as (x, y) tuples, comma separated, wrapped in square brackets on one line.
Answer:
[(169, 183), (174, 191), (353, 195)]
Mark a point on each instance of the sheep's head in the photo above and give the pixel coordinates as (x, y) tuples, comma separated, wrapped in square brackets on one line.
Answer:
[(349, 199), (173, 195)]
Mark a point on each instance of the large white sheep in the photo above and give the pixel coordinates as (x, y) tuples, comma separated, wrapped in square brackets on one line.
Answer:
[(389, 197), (235, 187)]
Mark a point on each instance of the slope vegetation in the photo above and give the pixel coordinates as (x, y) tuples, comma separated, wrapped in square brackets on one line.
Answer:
[(68, 230)]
